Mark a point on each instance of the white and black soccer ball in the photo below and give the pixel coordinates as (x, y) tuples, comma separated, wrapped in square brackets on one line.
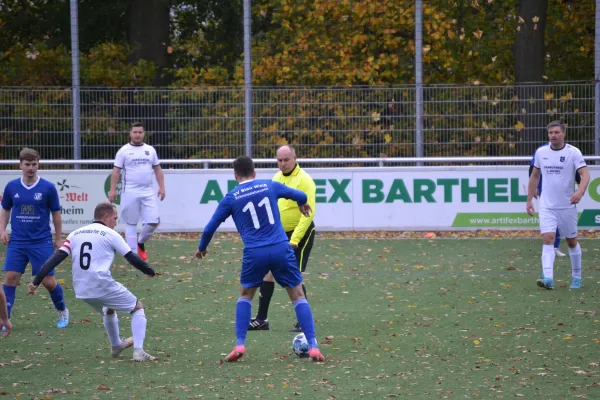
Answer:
[(300, 345)]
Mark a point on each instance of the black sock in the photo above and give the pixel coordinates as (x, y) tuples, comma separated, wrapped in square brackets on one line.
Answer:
[(266, 292), (142, 246)]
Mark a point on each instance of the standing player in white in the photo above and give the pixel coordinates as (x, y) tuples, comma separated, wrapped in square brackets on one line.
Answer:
[(558, 163), (92, 249), (137, 161)]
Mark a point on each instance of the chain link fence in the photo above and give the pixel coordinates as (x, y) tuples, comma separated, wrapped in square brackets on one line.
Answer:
[(359, 122)]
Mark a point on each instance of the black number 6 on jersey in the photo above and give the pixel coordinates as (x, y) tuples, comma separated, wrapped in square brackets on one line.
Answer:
[(85, 259)]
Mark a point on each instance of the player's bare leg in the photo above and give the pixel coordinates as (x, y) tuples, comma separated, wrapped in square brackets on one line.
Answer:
[(58, 298), (548, 255), (305, 318), (11, 281), (575, 255), (138, 328), (111, 325), (243, 313)]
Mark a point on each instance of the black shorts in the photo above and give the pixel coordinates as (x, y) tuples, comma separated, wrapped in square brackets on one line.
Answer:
[(304, 247)]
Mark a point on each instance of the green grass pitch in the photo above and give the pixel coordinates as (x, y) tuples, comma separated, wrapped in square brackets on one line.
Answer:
[(439, 318)]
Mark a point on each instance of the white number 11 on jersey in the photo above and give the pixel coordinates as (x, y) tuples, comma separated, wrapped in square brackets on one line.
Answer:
[(264, 202)]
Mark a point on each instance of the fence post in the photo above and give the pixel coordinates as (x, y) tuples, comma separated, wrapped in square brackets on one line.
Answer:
[(597, 83), (248, 77), (419, 79), (75, 83)]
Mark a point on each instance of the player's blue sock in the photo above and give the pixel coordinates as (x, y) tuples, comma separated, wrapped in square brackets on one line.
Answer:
[(58, 297), (557, 240), (243, 314), (305, 318), (11, 293)]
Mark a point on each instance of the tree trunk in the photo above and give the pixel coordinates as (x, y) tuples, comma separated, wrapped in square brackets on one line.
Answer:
[(149, 37), (529, 69)]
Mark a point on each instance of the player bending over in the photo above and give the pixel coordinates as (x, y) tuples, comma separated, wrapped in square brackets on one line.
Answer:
[(92, 249), (253, 206)]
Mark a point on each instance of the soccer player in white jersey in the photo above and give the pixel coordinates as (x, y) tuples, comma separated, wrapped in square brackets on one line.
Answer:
[(137, 161), (92, 249), (558, 163)]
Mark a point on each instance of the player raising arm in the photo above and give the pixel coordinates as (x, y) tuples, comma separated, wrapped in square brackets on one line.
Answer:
[(92, 249), (558, 164), (253, 206)]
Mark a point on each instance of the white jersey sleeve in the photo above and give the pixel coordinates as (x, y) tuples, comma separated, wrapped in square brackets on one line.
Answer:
[(578, 160), (120, 158), (536, 159), (155, 161), (66, 246), (118, 243)]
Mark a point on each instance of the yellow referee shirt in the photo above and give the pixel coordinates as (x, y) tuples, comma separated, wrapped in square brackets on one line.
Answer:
[(291, 217)]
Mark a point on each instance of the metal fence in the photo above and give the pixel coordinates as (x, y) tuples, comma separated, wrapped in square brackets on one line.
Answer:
[(344, 122)]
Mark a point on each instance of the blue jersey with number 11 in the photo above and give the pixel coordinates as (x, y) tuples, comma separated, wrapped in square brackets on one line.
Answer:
[(253, 206)]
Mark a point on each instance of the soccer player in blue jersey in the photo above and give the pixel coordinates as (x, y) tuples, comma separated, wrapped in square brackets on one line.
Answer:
[(28, 202), (253, 207)]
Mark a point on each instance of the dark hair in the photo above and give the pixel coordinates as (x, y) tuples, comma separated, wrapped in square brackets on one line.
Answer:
[(137, 125), (102, 210), (28, 154), (554, 124), (243, 166)]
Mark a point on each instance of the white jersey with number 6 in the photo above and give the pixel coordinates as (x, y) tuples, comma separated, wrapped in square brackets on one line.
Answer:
[(92, 249)]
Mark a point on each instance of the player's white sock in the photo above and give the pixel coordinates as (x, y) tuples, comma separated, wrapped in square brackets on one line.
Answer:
[(147, 231), (548, 257), (111, 325), (131, 237), (138, 328), (575, 255)]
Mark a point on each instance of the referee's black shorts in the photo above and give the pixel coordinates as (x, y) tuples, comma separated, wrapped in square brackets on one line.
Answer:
[(304, 247)]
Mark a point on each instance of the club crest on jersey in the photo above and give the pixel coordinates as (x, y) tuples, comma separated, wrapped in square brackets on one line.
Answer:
[(37, 196), (562, 159), (147, 152)]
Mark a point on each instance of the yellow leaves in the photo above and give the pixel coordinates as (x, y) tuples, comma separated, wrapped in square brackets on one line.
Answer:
[(451, 34), (478, 33), (387, 137), (375, 116), (281, 141), (411, 306), (519, 126), (548, 96), (419, 267), (535, 19), (568, 337), (426, 49), (476, 342)]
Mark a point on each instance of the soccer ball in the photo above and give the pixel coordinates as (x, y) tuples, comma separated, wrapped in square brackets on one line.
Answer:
[(300, 345)]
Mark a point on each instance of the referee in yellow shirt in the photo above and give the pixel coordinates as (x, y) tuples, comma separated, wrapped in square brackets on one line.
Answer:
[(299, 229)]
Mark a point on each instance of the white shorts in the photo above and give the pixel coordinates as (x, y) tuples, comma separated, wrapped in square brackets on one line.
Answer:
[(564, 219), (120, 300), (135, 205)]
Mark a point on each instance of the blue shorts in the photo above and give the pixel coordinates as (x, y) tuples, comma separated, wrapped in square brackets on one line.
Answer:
[(278, 258), (17, 257)]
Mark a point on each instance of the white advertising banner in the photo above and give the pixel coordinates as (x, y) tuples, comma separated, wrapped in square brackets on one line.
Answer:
[(413, 198)]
